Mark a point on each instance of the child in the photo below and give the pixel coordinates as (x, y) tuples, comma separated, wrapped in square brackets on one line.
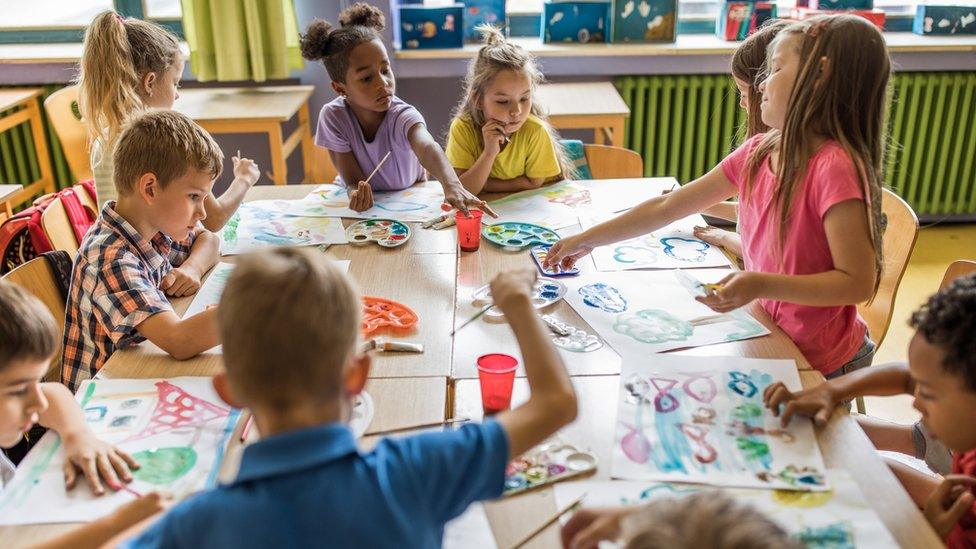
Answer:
[(127, 66), (810, 193), (144, 245), (368, 120), (704, 519), (291, 358), (500, 140), (28, 341)]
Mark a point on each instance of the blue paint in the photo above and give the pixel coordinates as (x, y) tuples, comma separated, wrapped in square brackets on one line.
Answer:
[(684, 249), (833, 536), (603, 296), (95, 413), (550, 287), (550, 295)]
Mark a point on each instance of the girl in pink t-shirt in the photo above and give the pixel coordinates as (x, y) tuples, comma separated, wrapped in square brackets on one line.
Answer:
[(809, 191)]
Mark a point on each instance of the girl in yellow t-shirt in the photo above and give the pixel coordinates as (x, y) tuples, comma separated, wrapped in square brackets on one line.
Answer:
[(500, 140)]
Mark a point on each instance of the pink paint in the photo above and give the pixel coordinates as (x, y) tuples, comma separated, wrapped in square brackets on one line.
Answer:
[(635, 445), (175, 409)]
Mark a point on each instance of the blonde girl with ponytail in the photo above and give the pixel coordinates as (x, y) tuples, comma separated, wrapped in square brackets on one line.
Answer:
[(127, 66)]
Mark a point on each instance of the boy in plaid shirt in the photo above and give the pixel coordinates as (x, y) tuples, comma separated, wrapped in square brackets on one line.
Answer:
[(144, 247)]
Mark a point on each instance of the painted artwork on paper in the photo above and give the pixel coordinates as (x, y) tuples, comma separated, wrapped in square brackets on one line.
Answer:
[(702, 420), (417, 203), (640, 313), (840, 518), (177, 429), (673, 246), (260, 224)]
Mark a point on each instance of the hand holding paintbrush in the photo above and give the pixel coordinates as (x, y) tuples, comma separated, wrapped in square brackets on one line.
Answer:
[(361, 199)]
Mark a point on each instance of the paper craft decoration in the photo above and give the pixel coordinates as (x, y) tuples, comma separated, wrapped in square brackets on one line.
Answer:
[(177, 429), (672, 246), (545, 292), (702, 419), (262, 223), (385, 232), (550, 462), (513, 235), (384, 313), (417, 203), (557, 206), (839, 518), (471, 530), (644, 312)]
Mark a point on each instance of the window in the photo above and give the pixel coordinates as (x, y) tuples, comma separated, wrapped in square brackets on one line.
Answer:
[(41, 21)]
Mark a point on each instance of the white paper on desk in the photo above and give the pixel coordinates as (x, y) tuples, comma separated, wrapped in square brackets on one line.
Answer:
[(471, 530), (556, 206), (643, 312), (670, 247), (840, 517), (702, 420), (262, 224), (417, 203), (177, 429)]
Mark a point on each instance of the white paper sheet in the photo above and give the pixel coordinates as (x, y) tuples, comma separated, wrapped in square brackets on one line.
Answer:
[(177, 429), (471, 530), (702, 419), (643, 312), (841, 515), (262, 224), (417, 203)]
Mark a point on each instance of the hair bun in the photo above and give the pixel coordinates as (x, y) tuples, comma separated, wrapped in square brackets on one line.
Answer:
[(490, 35), (363, 15), (315, 42)]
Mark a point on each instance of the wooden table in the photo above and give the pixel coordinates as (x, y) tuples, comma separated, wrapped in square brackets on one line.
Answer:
[(24, 105), (256, 110), (7, 194), (595, 105)]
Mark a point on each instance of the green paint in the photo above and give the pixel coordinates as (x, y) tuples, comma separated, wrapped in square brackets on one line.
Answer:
[(752, 449), (164, 465), (747, 326), (230, 229), (747, 411), (653, 326)]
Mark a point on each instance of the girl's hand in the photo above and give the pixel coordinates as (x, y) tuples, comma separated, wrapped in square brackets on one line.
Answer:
[(567, 251), (460, 199), (494, 136), (950, 501), (246, 170), (715, 236), (588, 527), (738, 289), (817, 402), (512, 286), (361, 199), (97, 460)]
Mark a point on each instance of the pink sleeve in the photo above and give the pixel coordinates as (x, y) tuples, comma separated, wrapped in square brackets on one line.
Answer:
[(834, 180), (734, 165)]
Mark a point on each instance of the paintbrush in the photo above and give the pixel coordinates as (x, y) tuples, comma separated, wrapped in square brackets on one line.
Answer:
[(539, 529), (473, 318), (247, 427), (418, 426), (125, 488), (377, 168)]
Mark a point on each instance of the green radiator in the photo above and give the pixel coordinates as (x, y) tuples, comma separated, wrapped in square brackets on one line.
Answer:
[(684, 125)]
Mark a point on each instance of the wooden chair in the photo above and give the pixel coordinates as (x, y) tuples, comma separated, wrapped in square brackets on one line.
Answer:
[(37, 277), (58, 228), (61, 108), (961, 267), (322, 169), (613, 162)]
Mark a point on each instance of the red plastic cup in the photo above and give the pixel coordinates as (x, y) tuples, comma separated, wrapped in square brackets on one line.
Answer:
[(496, 374), (469, 230)]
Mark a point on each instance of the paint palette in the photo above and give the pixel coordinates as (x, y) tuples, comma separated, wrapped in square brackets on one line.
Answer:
[(545, 464), (545, 292), (385, 232), (384, 313), (539, 254), (516, 235)]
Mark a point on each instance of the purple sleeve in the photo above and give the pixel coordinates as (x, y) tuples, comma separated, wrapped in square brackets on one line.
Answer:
[(333, 131), (406, 119)]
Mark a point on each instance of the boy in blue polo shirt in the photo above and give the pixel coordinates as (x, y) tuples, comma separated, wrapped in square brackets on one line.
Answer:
[(291, 357)]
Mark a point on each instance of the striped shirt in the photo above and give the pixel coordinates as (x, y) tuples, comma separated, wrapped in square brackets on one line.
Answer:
[(114, 288), (103, 166)]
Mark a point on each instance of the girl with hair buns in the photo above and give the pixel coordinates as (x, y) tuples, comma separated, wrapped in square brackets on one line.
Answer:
[(127, 66), (368, 120), (500, 140)]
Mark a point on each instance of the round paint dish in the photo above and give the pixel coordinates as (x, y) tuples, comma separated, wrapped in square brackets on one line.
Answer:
[(545, 292), (388, 233), (515, 236)]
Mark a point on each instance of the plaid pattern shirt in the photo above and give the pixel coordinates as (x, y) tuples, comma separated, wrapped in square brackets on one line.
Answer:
[(114, 288)]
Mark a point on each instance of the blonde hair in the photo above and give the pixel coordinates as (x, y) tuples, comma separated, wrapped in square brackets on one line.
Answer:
[(848, 105), (27, 328), (116, 55), (289, 320), (703, 519), (497, 55), (167, 144), (749, 65)]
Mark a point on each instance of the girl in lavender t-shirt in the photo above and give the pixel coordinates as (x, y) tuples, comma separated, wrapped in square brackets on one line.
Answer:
[(367, 120)]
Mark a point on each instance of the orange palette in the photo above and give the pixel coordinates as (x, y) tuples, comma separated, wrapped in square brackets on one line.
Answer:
[(384, 313)]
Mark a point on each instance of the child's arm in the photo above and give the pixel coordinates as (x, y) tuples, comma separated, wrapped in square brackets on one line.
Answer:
[(652, 214), (433, 159), (83, 449), (819, 402), (182, 338), (100, 531), (723, 210), (360, 197), (552, 400), (950, 501), (219, 210), (185, 279), (729, 240)]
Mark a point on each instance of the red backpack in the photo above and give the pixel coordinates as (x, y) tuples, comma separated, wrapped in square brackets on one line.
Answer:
[(22, 237)]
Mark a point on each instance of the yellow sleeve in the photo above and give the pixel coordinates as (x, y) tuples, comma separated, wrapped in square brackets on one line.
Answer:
[(540, 160), (462, 144)]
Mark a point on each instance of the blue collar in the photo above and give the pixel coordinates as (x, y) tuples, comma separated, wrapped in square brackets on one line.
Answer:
[(294, 451)]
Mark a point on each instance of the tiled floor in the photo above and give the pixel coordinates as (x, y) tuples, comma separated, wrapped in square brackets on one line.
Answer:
[(935, 249)]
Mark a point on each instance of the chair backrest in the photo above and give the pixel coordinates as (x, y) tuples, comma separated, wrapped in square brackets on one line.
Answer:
[(613, 162), (961, 267), (37, 277), (897, 244), (61, 107), (322, 169), (58, 228)]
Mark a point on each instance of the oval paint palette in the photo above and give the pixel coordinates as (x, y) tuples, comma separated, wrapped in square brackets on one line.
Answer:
[(545, 292), (516, 235), (388, 233), (384, 313)]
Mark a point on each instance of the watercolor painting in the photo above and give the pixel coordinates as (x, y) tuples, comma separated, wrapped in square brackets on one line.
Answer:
[(644, 312), (259, 224), (702, 420), (671, 247), (177, 429), (840, 518), (417, 203)]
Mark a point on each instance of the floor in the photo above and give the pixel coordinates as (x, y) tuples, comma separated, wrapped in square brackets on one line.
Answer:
[(935, 249)]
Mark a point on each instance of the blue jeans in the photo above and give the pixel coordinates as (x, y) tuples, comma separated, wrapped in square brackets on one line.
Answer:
[(862, 359)]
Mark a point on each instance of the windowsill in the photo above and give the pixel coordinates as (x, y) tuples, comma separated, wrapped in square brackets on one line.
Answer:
[(50, 53)]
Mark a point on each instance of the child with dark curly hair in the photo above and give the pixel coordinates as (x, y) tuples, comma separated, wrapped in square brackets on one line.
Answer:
[(941, 374), (368, 120)]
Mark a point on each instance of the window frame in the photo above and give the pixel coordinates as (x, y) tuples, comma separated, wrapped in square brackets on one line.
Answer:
[(61, 35)]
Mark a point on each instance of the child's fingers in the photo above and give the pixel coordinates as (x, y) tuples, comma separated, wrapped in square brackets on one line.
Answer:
[(580, 520), (167, 281), (788, 411), (70, 474), (959, 508), (773, 399), (487, 209), (90, 470), (822, 416), (120, 467), (768, 391), (107, 472)]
